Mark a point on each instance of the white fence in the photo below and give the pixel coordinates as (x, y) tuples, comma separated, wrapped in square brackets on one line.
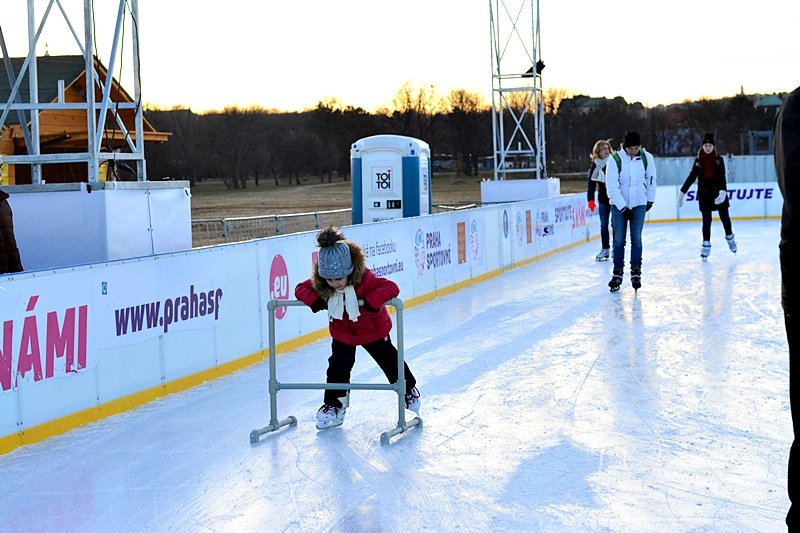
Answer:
[(85, 342)]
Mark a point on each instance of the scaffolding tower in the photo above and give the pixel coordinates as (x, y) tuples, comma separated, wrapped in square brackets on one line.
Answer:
[(517, 96), (97, 109)]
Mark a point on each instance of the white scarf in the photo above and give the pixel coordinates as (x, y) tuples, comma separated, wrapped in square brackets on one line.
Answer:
[(342, 301), (599, 173)]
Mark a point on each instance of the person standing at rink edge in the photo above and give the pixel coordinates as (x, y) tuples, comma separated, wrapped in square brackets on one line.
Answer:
[(631, 185), (10, 261), (354, 297), (601, 153), (787, 167), (712, 192)]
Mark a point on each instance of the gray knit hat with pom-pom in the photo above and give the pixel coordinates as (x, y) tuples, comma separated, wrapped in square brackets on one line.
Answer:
[(334, 260)]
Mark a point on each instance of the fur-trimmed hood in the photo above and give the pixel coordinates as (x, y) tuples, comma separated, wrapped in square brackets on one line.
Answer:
[(359, 268)]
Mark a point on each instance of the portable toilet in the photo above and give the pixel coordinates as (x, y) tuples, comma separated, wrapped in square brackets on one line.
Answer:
[(390, 178)]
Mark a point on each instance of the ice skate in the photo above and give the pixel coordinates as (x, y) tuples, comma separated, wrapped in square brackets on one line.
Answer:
[(705, 250), (329, 416), (616, 281), (731, 242), (412, 400), (603, 255), (636, 278)]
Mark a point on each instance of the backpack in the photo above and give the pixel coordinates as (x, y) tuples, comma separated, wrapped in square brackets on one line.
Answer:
[(617, 159)]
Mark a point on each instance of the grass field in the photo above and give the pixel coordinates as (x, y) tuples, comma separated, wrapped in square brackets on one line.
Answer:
[(211, 200)]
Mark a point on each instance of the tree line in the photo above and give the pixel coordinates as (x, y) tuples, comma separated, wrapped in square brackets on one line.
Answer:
[(241, 146)]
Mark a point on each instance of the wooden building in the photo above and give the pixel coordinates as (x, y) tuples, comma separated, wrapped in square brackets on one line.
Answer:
[(65, 130)]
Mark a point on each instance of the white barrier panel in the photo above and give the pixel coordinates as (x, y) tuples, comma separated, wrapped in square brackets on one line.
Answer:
[(739, 168), (746, 200), (74, 340), (66, 224)]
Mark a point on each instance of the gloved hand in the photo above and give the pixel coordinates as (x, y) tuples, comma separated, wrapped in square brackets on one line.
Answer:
[(681, 196), (721, 197), (318, 305), (369, 307), (626, 213), (592, 205), (649, 205)]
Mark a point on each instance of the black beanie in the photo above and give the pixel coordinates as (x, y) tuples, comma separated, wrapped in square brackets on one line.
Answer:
[(631, 138), (708, 138)]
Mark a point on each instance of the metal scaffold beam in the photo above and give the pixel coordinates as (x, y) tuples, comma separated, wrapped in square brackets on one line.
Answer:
[(517, 96), (101, 102)]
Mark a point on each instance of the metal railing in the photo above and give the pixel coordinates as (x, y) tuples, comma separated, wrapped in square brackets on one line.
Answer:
[(211, 231), (206, 232)]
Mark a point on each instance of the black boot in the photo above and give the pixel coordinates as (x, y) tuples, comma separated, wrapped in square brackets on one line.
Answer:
[(636, 278), (616, 280)]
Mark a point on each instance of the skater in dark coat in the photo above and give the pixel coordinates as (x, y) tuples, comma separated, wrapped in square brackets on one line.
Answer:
[(601, 153), (9, 253), (787, 167), (712, 192), (339, 279)]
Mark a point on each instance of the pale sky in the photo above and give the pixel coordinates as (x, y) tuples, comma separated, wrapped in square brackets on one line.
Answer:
[(290, 55)]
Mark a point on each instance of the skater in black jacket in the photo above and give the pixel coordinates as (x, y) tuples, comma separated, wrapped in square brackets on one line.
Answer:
[(601, 153), (787, 166), (712, 192)]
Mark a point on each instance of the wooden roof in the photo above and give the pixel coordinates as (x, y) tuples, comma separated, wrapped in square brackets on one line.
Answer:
[(66, 129)]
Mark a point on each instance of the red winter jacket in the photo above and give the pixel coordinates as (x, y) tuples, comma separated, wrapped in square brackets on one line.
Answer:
[(372, 289)]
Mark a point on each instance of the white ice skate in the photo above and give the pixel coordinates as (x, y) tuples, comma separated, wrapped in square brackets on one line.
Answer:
[(329, 416), (731, 242), (603, 255), (705, 250), (412, 400)]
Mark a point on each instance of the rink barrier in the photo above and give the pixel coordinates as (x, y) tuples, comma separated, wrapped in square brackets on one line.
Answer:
[(399, 387), (123, 333)]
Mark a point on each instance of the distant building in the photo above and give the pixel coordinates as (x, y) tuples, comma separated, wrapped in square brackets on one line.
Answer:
[(63, 130)]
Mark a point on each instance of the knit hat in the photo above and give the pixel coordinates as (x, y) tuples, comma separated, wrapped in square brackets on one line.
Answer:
[(631, 138), (334, 260), (708, 138)]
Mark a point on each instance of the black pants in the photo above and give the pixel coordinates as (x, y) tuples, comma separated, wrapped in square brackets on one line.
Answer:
[(724, 217), (343, 357), (793, 337)]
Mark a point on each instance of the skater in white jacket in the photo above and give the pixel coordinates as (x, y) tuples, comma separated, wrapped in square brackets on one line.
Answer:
[(631, 185)]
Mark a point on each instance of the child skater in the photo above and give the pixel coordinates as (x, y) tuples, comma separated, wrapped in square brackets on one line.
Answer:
[(712, 192), (339, 279)]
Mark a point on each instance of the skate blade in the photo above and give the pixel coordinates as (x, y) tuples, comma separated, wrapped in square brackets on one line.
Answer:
[(329, 424), (613, 289)]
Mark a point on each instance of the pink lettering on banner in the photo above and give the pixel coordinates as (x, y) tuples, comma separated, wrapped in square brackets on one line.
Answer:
[(61, 340), (29, 354), (279, 284), (6, 356)]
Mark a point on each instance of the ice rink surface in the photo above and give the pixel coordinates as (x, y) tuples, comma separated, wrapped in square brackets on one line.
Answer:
[(549, 404)]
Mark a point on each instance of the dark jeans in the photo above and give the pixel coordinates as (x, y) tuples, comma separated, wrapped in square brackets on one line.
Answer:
[(724, 217), (620, 227), (343, 357), (604, 210)]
